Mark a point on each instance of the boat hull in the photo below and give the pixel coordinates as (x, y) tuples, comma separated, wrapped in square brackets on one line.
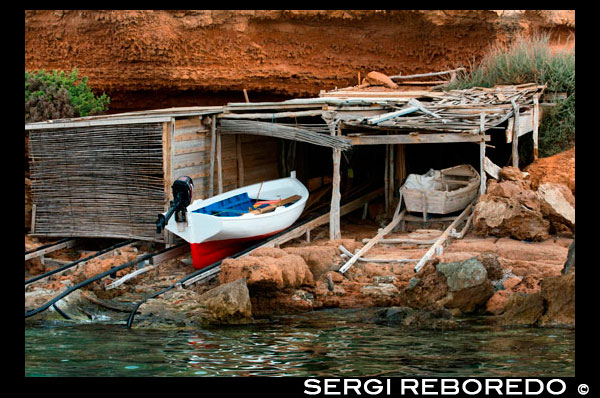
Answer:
[(213, 238), (207, 253)]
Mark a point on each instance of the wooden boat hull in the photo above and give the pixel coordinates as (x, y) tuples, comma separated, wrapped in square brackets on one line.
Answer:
[(213, 238), (440, 200)]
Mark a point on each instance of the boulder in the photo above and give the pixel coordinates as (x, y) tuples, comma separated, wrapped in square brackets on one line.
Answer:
[(499, 216), (490, 262), (379, 79), (523, 309), (227, 304), (559, 299), (468, 285), (426, 288), (557, 205), (510, 173), (268, 273), (514, 190), (463, 274), (427, 318)]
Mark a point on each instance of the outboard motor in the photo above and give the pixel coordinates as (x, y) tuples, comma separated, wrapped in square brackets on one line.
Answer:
[(183, 189)]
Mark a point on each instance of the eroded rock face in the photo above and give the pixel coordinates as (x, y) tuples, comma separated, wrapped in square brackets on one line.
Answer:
[(523, 309), (559, 168), (553, 305), (500, 216), (559, 295), (148, 56)]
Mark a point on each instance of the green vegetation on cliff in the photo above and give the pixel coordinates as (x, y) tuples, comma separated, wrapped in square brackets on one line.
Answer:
[(59, 95), (531, 59)]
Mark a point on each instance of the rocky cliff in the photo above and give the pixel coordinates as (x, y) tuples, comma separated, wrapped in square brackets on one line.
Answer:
[(152, 59)]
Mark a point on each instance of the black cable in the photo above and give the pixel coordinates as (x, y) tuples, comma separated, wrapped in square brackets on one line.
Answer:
[(74, 263), (60, 311), (97, 277), (46, 246)]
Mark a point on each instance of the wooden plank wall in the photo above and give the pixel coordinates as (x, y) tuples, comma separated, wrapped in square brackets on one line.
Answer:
[(191, 157)]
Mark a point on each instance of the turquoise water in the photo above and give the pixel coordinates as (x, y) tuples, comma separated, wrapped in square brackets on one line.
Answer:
[(321, 343)]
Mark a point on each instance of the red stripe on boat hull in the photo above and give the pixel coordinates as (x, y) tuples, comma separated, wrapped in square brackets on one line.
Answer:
[(207, 253)]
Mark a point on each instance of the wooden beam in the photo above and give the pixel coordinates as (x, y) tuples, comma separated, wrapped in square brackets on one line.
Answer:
[(515, 141), (482, 176), (213, 147), (334, 220), (386, 179), (159, 258), (536, 124), (373, 241), (269, 116), (219, 165), (240, 160), (437, 246), (90, 123), (416, 138), (446, 72), (64, 245)]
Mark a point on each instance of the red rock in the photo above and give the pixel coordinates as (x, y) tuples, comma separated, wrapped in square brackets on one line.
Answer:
[(379, 79), (559, 296), (318, 258), (498, 216), (511, 282), (523, 309), (497, 303), (559, 168), (267, 273)]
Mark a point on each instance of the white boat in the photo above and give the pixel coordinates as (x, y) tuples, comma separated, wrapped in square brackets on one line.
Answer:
[(227, 223)]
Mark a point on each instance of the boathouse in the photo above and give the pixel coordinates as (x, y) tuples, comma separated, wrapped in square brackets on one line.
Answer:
[(109, 176)]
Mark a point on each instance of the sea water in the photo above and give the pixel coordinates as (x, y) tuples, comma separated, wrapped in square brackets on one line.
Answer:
[(316, 344)]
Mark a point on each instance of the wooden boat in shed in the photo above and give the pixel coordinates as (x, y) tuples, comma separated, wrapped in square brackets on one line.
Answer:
[(225, 224), (441, 191)]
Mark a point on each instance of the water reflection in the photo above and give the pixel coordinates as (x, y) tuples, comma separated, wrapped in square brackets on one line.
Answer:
[(323, 343)]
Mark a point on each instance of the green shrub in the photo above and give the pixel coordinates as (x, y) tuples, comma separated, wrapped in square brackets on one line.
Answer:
[(526, 60), (59, 95)]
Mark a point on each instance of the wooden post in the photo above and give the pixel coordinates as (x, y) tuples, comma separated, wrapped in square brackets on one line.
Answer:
[(240, 160), (515, 138), (219, 165), (33, 208), (386, 183), (482, 154), (213, 139), (334, 214), (536, 124), (246, 96), (391, 167)]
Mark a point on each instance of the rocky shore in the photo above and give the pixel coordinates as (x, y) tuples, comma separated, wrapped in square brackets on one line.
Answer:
[(516, 266)]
